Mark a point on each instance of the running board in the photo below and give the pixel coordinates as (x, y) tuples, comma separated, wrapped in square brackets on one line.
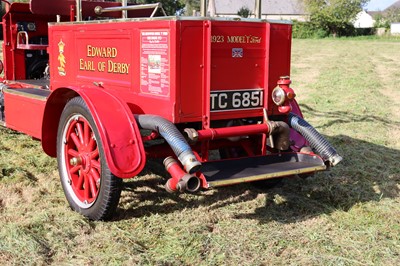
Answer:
[(234, 171), (35, 83), (33, 93)]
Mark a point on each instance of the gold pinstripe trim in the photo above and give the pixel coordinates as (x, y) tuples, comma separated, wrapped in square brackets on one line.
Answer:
[(26, 94), (226, 182)]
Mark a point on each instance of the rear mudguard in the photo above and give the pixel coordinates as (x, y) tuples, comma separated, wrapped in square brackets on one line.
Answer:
[(119, 133)]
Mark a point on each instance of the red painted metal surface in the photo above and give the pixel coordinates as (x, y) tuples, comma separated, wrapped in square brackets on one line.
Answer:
[(206, 66), (24, 114), (284, 83), (185, 70), (72, 12), (118, 130), (14, 57), (228, 132), (278, 56), (225, 83), (180, 180), (176, 173)]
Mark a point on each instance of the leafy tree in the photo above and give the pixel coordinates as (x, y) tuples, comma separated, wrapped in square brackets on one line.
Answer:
[(244, 12), (334, 16), (381, 21), (190, 6), (384, 19), (392, 15)]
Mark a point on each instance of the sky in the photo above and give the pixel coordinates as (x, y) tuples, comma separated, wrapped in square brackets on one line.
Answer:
[(375, 5)]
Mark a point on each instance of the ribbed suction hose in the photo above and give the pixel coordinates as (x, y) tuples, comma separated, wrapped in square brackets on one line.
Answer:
[(316, 140), (173, 137)]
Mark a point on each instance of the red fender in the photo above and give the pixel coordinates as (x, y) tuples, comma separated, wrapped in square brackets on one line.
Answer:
[(298, 140), (119, 133), (296, 108)]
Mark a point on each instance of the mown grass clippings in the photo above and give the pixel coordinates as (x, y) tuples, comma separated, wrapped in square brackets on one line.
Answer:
[(348, 89)]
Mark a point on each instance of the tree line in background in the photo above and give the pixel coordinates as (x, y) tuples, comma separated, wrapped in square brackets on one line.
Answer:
[(326, 17), (335, 18), (329, 17), (383, 20)]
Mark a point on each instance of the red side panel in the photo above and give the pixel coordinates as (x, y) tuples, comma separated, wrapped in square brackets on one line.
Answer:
[(238, 55), (137, 61), (191, 62), (278, 59), (238, 63), (24, 114)]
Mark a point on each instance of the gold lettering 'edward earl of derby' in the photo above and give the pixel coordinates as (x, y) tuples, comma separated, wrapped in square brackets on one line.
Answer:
[(109, 66), (103, 52)]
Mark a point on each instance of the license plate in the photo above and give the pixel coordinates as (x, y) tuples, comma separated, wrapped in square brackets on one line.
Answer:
[(234, 100)]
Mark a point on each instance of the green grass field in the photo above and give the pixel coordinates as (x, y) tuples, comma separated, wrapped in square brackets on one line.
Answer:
[(348, 89)]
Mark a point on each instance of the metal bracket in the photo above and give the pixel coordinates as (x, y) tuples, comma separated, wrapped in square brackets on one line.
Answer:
[(25, 34), (266, 121)]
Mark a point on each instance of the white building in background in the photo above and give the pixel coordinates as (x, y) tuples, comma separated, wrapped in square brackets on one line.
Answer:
[(364, 20), (395, 28)]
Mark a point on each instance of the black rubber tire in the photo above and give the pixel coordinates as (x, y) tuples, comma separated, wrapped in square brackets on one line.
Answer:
[(108, 187)]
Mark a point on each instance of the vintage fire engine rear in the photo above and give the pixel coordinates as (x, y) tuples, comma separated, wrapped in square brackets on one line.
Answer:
[(104, 92)]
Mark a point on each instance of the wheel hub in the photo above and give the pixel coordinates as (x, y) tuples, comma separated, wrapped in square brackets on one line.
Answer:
[(75, 161), (84, 160)]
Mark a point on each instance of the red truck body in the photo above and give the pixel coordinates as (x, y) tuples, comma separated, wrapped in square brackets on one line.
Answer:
[(99, 93)]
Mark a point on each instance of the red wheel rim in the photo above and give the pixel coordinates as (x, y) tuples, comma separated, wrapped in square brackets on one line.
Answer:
[(82, 160)]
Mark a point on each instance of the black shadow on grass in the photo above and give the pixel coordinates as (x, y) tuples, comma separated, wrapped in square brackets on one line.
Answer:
[(369, 172), (158, 201), (147, 196), (346, 117), (9, 172)]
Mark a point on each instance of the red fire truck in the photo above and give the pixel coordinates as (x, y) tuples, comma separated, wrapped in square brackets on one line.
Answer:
[(105, 86)]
